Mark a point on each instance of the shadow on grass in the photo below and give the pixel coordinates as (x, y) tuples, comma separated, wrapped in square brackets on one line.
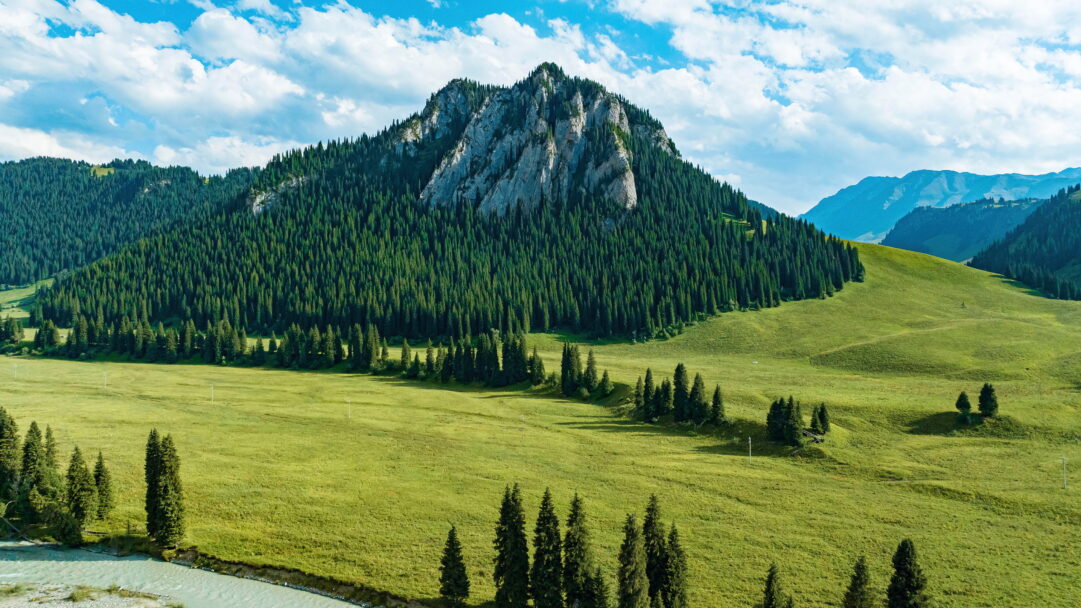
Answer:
[(941, 423)]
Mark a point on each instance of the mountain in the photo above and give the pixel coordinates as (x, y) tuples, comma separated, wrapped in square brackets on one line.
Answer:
[(961, 231), (60, 214), (550, 203), (868, 210), (1044, 252)]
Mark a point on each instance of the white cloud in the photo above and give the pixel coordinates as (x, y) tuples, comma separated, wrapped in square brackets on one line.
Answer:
[(16, 143), (218, 154)]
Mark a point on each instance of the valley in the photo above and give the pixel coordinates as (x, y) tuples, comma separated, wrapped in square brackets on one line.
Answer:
[(889, 355)]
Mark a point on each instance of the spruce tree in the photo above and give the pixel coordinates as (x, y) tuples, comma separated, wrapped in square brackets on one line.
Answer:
[(639, 391), (816, 420), (536, 369), (33, 475), (793, 424), (152, 475), (716, 407), (697, 406), (9, 457), (680, 393), (596, 592), (824, 418), (82, 494), (656, 547), (663, 399), (546, 578), (675, 576), (858, 594), (775, 420), (988, 402), (407, 356), (511, 571), (907, 585), (606, 387), (50, 449), (453, 578), (170, 528), (648, 388), (577, 558), (590, 379), (774, 596), (963, 405), (103, 482), (633, 581)]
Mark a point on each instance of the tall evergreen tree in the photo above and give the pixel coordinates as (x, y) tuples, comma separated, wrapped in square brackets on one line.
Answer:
[(648, 388), (908, 585), (577, 557), (858, 594), (34, 475), (596, 591), (103, 483), (663, 399), (656, 548), (716, 407), (152, 475), (546, 578), (170, 528), (633, 589), (9, 457), (82, 494), (675, 577), (638, 400), (681, 393), (453, 578), (988, 402), (511, 571), (963, 405), (590, 377), (697, 406), (774, 595), (793, 424)]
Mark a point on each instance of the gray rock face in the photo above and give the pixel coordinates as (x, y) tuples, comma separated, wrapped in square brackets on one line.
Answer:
[(546, 138)]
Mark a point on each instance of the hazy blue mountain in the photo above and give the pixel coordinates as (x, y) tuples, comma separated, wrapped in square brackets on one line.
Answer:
[(868, 210), (961, 231)]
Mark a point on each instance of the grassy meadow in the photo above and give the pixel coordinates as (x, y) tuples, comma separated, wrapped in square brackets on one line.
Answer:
[(359, 477)]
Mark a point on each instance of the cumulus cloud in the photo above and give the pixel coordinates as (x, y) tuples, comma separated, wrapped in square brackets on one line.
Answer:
[(790, 99)]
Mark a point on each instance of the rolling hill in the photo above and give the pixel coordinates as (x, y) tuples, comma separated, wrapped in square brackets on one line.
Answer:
[(61, 214), (888, 355), (1045, 251), (960, 231), (868, 210)]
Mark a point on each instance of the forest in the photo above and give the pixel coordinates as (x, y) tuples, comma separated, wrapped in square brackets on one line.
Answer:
[(60, 214), (345, 240)]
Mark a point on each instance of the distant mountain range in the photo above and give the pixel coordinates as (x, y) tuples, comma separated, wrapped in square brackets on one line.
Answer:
[(868, 210), (959, 232)]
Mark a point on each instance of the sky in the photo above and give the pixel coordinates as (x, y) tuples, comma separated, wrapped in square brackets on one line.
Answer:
[(790, 100)]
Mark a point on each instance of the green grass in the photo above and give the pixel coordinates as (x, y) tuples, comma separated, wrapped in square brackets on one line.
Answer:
[(359, 477)]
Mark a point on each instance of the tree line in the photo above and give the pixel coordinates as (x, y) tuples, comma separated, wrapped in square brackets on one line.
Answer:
[(987, 405), (348, 241), (33, 489)]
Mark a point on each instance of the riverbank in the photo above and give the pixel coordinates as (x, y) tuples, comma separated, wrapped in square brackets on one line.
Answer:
[(18, 595)]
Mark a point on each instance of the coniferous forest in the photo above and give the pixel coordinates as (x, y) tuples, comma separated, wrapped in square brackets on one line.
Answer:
[(60, 214), (345, 239), (1042, 252)]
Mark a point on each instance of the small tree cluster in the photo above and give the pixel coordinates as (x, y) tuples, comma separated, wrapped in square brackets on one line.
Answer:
[(784, 422), (11, 331), (582, 383), (987, 405), (820, 419), (684, 400)]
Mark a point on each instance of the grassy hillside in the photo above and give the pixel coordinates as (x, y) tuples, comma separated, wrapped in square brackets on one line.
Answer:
[(359, 477)]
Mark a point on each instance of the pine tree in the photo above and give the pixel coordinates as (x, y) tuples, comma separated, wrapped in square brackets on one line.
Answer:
[(963, 405), (50, 449), (546, 578), (590, 377), (675, 577), (103, 483), (9, 457), (152, 475), (793, 424), (988, 401), (82, 494), (648, 388), (697, 406), (716, 407), (774, 596), (639, 393), (656, 547), (407, 356), (824, 418), (907, 585), (577, 558), (606, 387), (680, 393), (170, 528), (453, 578), (858, 594), (536, 369), (816, 420), (663, 399), (596, 592), (511, 571), (633, 589)]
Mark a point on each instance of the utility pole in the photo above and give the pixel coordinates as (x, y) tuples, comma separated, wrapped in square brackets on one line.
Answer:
[(105, 380), (212, 393), (748, 450)]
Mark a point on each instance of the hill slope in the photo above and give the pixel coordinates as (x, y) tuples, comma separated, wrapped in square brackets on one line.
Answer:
[(868, 210), (552, 203), (1045, 251), (961, 231), (888, 355), (60, 214)]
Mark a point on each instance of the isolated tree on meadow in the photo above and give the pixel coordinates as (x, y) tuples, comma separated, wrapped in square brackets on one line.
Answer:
[(858, 594), (453, 578), (963, 405), (988, 402), (908, 585), (151, 474), (170, 504)]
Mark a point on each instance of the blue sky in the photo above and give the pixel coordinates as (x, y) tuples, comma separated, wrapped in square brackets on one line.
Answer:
[(788, 99)]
